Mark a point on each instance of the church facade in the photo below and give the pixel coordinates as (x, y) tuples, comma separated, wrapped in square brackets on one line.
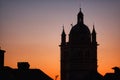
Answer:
[(79, 54)]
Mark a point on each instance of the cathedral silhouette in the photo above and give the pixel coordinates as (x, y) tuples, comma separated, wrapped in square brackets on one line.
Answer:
[(79, 54)]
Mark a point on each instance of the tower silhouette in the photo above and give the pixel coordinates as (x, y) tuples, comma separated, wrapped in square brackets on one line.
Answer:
[(79, 54), (2, 59)]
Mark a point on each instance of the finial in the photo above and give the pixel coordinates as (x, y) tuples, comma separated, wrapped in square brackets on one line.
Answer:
[(94, 26), (63, 26), (80, 9), (93, 29), (63, 32), (80, 5)]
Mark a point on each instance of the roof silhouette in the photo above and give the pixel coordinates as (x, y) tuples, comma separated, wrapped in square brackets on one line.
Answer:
[(8, 73)]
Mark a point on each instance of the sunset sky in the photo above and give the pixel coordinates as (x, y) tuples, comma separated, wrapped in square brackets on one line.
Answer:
[(30, 31)]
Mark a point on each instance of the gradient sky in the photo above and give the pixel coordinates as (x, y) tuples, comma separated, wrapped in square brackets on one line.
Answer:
[(30, 31)]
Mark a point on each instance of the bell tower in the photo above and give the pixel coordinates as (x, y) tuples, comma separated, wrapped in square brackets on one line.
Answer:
[(79, 54)]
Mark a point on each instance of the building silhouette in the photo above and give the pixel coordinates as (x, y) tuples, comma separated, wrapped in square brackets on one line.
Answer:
[(79, 54), (113, 76), (23, 72)]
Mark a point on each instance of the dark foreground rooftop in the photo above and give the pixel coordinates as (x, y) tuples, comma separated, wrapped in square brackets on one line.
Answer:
[(23, 73)]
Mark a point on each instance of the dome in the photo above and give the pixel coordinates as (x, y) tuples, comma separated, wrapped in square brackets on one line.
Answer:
[(79, 29), (80, 34)]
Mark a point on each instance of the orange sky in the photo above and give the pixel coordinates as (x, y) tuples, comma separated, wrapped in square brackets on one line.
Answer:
[(30, 31)]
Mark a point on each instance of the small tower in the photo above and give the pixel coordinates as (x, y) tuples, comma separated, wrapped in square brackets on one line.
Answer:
[(94, 36), (2, 58), (94, 47), (80, 17), (62, 55)]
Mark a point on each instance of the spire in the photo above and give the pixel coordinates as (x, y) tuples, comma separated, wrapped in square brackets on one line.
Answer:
[(63, 37), (94, 36), (63, 32), (80, 17), (93, 31)]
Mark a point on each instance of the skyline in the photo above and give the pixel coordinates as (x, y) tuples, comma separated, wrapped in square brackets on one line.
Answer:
[(23, 23)]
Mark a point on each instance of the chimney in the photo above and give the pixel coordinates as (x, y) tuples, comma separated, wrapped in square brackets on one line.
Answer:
[(23, 65), (2, 58)]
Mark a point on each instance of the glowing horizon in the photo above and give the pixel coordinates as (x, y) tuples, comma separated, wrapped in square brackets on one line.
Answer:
[(31, 31)]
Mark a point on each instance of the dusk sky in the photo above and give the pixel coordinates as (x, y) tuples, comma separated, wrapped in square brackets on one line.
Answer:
[(30, 31)]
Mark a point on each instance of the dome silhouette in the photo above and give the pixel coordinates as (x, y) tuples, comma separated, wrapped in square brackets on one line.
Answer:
[(80, 34), (80, 29)]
